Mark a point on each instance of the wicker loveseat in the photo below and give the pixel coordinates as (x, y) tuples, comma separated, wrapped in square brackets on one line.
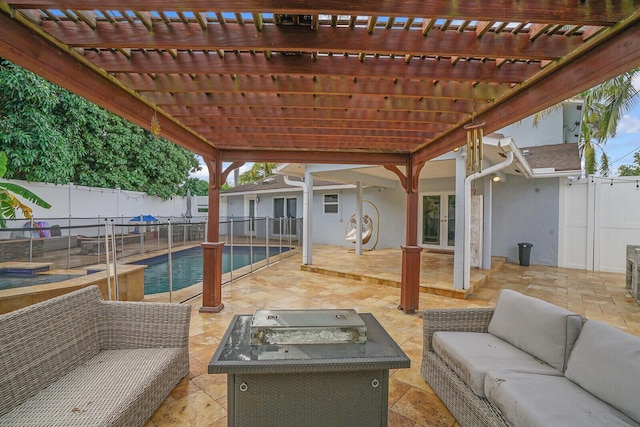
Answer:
[(76, 360), (530, 363)]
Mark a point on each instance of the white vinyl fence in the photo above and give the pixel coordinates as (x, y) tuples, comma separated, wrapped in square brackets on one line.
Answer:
[(599, 217)]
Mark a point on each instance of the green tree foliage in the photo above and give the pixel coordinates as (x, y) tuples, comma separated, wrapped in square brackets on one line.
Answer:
[(604, 106), (631, 170), (51, 135), (9, 202), (257, 171), (198, 187)]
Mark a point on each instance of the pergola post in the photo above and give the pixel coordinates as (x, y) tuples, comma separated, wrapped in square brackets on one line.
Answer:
[(410, 285), (212, 249)]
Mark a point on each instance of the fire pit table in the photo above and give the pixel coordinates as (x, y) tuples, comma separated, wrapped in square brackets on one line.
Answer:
[(307, 368)]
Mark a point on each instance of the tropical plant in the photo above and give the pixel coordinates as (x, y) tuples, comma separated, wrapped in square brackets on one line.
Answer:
[(631, 170), (257, 171), (197, 187), (51, 135), (604, 106), (9, 203)]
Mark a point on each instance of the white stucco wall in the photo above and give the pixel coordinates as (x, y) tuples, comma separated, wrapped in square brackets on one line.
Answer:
[(526, 211)]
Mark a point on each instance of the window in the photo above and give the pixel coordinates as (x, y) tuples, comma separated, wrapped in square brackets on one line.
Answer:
[(330, 204)]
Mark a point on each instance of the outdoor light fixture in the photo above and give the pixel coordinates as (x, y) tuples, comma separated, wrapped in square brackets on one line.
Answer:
[(474, 146), (499, 177)]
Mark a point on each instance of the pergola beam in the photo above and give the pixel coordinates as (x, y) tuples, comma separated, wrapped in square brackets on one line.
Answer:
[(176, 83), (319, 101), (543, 11), (200, 63), (178, 35), (285, 156), (613, 57)]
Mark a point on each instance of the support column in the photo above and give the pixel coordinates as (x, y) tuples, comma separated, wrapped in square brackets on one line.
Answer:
[(212, 248), (410, 286)]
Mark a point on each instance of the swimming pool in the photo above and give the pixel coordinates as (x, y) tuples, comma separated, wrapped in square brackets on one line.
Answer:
[(186, 266), (20, 280)]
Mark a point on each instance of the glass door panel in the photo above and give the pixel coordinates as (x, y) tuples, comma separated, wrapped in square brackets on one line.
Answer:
[(451, 220), (438, 220), (431, 210)]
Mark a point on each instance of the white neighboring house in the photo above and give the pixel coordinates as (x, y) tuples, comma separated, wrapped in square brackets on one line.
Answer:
[(518, 203)]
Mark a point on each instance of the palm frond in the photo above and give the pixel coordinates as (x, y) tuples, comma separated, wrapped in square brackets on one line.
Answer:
[(23, 192)]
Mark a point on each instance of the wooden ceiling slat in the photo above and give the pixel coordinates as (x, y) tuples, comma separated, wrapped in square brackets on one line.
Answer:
[(305, 65), (327, 39), (337, 123), (88, 17), (542, 11), (305, 84), (351, 114), (311, 101), (287, 140), (390, 135)]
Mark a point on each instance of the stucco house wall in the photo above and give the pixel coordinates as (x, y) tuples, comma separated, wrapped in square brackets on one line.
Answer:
[(526, 211)]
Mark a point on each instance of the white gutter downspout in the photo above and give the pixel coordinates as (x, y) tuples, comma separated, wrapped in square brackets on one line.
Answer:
[(467, 211), (306, 229)]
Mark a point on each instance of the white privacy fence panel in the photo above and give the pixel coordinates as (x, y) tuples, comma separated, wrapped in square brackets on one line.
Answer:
[(572, 251), (600, 217)]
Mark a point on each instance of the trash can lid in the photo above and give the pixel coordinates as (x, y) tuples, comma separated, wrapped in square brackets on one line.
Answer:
[(525, 244)]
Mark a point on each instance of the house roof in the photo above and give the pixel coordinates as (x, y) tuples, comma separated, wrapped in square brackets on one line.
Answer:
[(273, 183), (362, 82), (560, 157)]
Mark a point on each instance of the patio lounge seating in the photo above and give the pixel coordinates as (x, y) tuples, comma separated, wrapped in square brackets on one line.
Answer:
[(531, 363), (76, 360)]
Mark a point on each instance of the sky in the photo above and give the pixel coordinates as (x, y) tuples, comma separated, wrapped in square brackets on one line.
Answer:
[(620, 148)]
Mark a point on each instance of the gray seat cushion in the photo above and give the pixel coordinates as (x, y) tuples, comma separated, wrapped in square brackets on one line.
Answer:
[(537, 327), (606, 362), (532, 400), (106, 390), (472, 354)]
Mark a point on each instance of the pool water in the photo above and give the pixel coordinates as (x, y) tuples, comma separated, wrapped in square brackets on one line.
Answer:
[(20, 280), (186, 266)]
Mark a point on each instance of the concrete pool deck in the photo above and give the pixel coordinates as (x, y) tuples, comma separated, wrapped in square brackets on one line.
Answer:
[(200, 399)]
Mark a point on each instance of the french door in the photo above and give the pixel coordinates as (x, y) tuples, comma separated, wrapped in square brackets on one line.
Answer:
[(438, 220), (250, 212), (284, 214)]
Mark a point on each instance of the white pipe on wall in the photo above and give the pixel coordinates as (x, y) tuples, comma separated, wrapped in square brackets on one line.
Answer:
[(467, 211)]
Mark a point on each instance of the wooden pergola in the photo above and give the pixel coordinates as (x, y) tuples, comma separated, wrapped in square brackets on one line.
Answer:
[(374, 82)]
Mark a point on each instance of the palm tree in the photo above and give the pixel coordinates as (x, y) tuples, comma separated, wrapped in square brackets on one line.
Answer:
[(604, 106), (9, 203)]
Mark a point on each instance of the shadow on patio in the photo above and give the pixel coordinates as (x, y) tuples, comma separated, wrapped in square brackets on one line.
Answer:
[(200, 399)]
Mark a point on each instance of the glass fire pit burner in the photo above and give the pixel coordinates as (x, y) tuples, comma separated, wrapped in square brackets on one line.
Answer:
[(285, 327)]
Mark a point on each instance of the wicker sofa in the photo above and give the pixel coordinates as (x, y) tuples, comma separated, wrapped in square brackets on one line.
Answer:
[(530, 363), (76, 360)]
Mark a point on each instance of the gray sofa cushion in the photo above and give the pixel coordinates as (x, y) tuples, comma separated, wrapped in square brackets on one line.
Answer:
[(472, 354), (532, 400), (606, 362), (539, 328), (42, 343), (108, 389)]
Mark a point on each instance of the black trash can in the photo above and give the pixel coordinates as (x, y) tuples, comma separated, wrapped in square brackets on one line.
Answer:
[(524, 253)]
